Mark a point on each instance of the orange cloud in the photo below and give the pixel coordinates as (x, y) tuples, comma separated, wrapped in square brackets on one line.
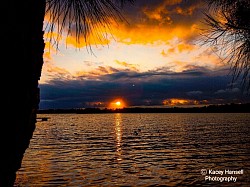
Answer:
[(181, 102), (161, 21), (208, 57), (159, 11), (127, 65), (53, 72), (89, 40), (159, 15), (182, 47), (57, 70), (185, 47), (187, 11), (145, 34), (101, 70), (150, 24)]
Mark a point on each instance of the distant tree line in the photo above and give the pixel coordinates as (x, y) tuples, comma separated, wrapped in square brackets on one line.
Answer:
[(226, 108)]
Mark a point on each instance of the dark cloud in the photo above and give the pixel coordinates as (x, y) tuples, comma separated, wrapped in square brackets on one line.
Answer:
[(140, 89), (180, 12), (195, 84), (194, 93)]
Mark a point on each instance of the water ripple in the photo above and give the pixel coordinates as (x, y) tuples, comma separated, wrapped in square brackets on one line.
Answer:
[(135, 150)]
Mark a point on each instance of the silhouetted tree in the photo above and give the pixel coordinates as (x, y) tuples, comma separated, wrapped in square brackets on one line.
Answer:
[(22, 50), (228, 31)]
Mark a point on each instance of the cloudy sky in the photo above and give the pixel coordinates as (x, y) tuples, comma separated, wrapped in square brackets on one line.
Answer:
[(156, 58)]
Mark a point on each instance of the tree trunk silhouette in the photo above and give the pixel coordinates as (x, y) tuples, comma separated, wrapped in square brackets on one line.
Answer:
[(22, 51)]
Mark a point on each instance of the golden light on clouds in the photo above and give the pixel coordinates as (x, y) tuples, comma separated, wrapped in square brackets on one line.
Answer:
[(159, 34), (160, 10), (96, 72), (127, 65), (183, 102), (90, 40), (178, 48), (177, 102), (151, 34), (152, 22), (138, 60)]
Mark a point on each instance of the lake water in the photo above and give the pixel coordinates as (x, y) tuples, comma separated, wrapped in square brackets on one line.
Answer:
[(138, 150)]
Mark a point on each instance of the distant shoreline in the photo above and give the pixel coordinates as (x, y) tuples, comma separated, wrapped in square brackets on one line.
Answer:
[(226, 108)]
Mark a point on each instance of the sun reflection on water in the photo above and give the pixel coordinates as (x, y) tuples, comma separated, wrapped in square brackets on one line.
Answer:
[(118, 133)]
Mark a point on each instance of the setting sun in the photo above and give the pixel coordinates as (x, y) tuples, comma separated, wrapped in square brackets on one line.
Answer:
[(116, 104)]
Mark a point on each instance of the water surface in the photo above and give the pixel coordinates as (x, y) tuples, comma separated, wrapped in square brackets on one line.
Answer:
[(136, 150)]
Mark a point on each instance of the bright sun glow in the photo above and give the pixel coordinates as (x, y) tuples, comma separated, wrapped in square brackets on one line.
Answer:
[(116, 104)]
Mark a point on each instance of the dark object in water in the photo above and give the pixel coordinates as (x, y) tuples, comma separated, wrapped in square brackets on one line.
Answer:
[(42, 119), (136, 133)]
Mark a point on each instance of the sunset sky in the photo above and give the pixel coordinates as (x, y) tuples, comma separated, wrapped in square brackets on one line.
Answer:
[(156, 59)]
